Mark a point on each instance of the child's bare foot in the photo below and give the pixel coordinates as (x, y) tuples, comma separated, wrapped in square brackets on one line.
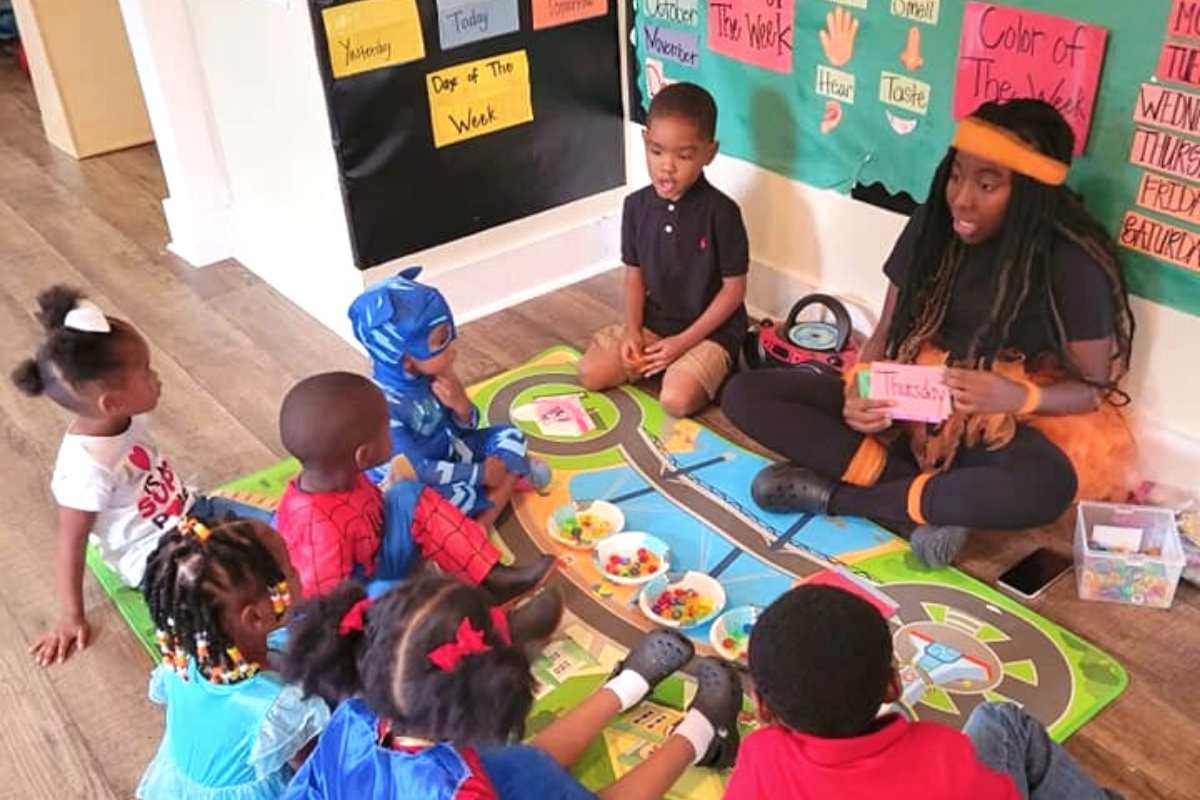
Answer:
[(506, 584)]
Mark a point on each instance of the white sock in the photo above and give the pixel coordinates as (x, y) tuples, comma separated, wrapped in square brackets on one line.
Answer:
[(696, 728), (629, 687)]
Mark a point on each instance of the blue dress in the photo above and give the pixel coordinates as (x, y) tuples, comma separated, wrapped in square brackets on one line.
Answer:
[(228, 741), (349, 764)]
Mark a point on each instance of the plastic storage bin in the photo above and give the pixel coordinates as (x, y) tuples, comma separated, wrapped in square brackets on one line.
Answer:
[(1127, 554)]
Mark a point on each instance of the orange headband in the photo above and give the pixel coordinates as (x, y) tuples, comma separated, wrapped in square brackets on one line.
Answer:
[(1004, 147)]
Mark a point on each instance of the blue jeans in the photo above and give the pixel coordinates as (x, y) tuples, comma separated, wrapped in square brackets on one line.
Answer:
[(216, 509), (1015, 744)]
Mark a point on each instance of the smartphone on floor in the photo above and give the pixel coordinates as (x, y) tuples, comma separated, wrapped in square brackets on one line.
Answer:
[(1034, 573)]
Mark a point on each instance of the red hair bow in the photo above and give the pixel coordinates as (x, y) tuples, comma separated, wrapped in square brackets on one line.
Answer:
[(355, 618), (468, 642)]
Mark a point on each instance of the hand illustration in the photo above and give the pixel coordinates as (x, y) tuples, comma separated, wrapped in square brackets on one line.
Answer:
[(838, 38), (911, 57)]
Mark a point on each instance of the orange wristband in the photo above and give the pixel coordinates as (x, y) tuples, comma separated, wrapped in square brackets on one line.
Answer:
[(1033, 398)]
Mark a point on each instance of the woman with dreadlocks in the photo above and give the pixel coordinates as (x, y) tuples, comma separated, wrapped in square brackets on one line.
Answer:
[(234, 731), (1007, 280)]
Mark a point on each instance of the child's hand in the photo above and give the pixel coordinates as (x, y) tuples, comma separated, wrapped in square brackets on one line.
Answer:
[(494, 471), (865, 415), (977, 391), (68, 635), (663, 354), (631, 350), (448, 389)]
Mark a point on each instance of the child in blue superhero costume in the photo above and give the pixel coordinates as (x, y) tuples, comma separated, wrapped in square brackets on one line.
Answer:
[(408, 330)]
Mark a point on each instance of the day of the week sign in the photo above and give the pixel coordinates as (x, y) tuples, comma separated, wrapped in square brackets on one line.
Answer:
[(1166, 152), (1179, 63), (1184, 22), (835, 84), (681, 47), (904, 92), (464, 21), (1007, 53), (550, 13), (1167, 107), (758, 32), (372, 34), (678, 12), (479, 97), (1160, 240), (1169, 196), (926, 11)]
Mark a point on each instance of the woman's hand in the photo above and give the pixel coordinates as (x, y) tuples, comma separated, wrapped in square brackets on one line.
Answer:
[(977, 391), (865, 415)]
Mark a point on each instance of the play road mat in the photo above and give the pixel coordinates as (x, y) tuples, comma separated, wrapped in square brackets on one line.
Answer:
[(958, 641)]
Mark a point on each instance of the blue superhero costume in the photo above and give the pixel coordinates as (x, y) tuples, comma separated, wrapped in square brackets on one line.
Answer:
[(394, 319)]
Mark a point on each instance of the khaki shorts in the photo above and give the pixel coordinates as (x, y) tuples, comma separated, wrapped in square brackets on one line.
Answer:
[(707, 363)]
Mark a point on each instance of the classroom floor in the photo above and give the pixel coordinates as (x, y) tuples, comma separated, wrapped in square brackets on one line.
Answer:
[(227, 347)]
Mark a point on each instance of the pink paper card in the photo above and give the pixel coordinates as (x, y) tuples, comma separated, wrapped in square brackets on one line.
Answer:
[(838, 578), (758, 32), (920, 394)]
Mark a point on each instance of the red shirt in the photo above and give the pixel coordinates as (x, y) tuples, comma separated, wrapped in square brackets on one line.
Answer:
[(327, 534), (899, 761)]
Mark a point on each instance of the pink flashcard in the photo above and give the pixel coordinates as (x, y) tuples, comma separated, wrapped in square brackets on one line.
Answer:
[(920, 394)]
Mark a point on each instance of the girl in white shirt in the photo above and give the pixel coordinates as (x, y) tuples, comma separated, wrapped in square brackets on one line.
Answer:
[(110, 478)]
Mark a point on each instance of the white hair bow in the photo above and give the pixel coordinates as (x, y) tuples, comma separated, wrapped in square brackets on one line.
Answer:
[(87, 317)]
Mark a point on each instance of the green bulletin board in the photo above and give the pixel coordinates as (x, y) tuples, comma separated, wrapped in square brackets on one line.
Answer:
[(840, 92)]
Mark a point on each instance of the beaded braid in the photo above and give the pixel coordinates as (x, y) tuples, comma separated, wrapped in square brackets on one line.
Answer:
[(184, 574)]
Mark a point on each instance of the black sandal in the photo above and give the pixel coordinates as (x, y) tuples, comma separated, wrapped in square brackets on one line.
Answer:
[(719, 699), (660, 654), (789, 489)]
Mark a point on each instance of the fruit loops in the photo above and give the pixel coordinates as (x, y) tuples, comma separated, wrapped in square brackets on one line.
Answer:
[(643, 564), (1116, 581), (684, 606), (584, 528), (737, 641)]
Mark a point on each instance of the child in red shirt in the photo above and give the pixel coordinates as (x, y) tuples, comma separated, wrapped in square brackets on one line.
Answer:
[(821, 662)]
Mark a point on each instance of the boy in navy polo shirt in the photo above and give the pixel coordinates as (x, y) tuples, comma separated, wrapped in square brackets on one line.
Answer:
[(686, 257), (821, 663)]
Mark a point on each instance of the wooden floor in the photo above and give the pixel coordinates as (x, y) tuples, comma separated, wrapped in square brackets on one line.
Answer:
[(227, 348)]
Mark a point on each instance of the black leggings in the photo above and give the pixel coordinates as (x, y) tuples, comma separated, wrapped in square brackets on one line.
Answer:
[(1026, 483)]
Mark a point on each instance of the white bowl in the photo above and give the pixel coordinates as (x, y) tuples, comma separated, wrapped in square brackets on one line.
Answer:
[(559, 524), (627, 545), (703, 584), (733, 620)]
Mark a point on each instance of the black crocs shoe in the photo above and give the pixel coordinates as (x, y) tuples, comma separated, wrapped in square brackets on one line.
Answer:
[(789, 489), (533, 622), (659, 654), (507, 584), (719, 698)]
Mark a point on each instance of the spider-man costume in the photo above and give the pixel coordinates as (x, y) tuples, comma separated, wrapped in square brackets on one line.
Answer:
[(394, 319), (364, 533)]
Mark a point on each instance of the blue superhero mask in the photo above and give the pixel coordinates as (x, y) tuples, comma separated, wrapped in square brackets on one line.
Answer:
[(396, 317)]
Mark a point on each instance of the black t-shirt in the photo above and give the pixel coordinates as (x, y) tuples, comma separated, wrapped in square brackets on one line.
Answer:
[(1080, 291), (685, 248)]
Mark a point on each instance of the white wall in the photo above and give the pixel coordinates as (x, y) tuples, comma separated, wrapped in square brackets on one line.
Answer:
[(268, 112)]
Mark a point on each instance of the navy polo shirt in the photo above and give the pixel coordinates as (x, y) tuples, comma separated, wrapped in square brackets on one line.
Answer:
[(685, 248)]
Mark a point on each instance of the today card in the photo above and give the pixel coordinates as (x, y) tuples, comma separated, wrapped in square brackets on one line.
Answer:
[(920, 393)]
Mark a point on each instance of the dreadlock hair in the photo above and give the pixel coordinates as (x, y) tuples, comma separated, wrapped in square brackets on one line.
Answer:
[(68, 358), (191, 572), (690, 102), (1036, 215), (482, 700), (821, 658)]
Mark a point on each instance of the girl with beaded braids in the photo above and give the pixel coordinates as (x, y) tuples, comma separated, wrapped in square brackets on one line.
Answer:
[(1006, 280), (435, 684), (234, 730), (111, 481)]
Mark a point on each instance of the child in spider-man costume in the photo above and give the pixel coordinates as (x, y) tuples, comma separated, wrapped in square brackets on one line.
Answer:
[(338, 524), (408, 330)]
